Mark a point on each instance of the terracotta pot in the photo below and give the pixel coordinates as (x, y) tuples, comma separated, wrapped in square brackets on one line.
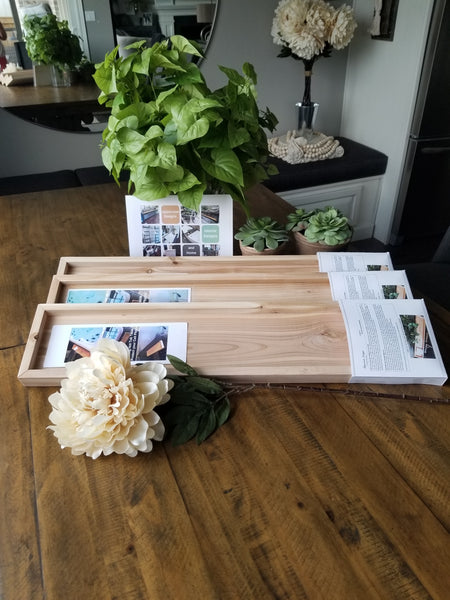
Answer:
[(249, 250), (304, 246)]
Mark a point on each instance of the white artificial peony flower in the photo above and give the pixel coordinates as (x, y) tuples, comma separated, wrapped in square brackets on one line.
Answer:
[(290, 16), (106, 405), (343, 28), (306, 26)]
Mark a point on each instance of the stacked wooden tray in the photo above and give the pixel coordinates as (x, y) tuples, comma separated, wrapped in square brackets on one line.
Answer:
[(251, 319)]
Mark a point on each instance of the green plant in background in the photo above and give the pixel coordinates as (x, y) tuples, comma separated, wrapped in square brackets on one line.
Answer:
[(323, 225), (329, 227), (50, 42), (298, 220), (261, 233), (172, 133)]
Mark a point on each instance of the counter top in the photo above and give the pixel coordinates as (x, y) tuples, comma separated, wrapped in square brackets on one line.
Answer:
[(29, 96), (359, 161)]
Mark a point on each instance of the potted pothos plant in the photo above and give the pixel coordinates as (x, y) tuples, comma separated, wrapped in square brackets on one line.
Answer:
[(50, 42), (262, 235), (319, 230), (172, 133)]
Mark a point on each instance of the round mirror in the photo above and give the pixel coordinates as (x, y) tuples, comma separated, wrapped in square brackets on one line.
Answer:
[(100, 26)]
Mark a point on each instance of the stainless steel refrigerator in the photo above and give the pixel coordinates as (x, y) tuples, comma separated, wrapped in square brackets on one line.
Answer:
[(423, 207)]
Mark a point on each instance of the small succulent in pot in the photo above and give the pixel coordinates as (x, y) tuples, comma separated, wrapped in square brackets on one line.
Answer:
[(262, 233), (299, 220), (324, 229), (328, 226)]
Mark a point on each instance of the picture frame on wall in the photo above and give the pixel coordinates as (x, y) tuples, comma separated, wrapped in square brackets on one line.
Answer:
[(384, 19)]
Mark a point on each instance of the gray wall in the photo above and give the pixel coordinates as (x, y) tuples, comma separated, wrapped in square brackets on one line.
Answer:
[(242, 34)]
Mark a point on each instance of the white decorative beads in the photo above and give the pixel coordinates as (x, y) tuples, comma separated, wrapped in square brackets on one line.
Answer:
[(294, 148)]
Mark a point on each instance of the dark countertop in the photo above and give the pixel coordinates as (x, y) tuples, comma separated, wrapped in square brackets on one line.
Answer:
[(358, 161)]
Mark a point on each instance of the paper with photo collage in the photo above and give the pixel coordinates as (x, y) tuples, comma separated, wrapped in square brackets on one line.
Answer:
[(166, 228)]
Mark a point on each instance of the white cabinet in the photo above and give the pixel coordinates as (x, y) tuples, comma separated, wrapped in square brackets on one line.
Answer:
[(357, 199)]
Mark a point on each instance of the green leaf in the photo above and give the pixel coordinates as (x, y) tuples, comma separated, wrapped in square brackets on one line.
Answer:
[(225, 166), (154, 132), (192, 131), (233, 75), (188, 182), (249, 70), (106, 158), (191, 198), (180, 365), (191, 398), (183, 432), (208, 386), (153, 190), (222, 410), (207, 425), (237, 135), (184, 45), (132, 142)]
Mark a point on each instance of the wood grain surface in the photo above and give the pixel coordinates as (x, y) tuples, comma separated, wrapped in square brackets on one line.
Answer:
[(46, 95), (318, 491)]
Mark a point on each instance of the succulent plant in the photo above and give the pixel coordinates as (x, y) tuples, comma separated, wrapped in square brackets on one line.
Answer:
[(261, 233), (328, 226), (298, 220)]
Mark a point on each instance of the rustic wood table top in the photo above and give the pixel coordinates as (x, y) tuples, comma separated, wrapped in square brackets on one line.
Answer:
[(329, 491), (46, 95)]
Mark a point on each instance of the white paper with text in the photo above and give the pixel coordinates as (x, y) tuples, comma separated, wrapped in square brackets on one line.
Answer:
[(369, 285), (354, 261), (391, 341)]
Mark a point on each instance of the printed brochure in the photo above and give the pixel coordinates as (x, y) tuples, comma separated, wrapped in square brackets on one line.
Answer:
[(391, 341), (166, 228)]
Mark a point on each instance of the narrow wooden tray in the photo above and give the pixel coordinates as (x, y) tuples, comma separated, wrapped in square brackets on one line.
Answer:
[(234, 341), (290, 265), (278, 286)]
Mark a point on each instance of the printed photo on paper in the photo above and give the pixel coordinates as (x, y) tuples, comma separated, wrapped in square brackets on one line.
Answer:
[(166, 228), (118, 296), (146, 341)]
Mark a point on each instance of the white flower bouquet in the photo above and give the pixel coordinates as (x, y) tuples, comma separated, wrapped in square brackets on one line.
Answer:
[(309, 29)]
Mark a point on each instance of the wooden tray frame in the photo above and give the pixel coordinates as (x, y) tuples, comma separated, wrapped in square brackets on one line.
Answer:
[(233, 341), (279, 286), (264, 265)]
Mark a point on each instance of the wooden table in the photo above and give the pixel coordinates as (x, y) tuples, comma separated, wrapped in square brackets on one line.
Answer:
[(328, 491)]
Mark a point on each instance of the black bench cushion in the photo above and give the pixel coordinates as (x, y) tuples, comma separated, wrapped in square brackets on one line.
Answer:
[(38, 182), (97, 175), (359, 161)]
